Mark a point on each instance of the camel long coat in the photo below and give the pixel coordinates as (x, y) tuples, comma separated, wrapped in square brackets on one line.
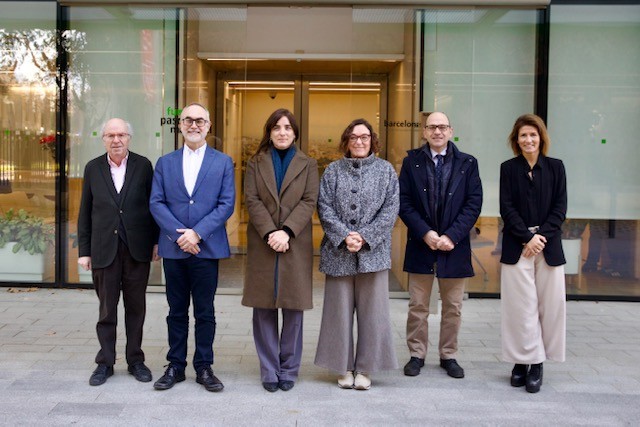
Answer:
[(280, 280)]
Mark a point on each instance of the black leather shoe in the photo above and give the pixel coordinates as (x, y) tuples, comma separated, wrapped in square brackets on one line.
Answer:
[(534, 378), (140, 372), (285, 385), (171, 376), (453, 369), (100, 375), (270, 387), (519, 375), (412, 368), (208, 380)]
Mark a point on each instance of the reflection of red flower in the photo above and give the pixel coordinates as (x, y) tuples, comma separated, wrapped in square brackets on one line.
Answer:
[(48, 143)]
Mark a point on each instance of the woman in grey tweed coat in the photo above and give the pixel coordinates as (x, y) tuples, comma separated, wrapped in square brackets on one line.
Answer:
[(357, 206)]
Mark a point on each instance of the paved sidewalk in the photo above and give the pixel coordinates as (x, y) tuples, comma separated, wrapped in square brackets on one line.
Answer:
[(47, 346)]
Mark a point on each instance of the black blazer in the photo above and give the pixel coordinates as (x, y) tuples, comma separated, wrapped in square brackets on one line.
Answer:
[(553, 208), (100, 213)]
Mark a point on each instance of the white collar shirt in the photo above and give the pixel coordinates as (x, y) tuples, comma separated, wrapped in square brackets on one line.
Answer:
[(191, 163)]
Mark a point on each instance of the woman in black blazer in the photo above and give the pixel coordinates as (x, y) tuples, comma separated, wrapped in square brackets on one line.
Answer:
[(533, 204)]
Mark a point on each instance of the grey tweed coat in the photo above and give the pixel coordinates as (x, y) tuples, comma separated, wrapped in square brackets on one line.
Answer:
[(357, 195)]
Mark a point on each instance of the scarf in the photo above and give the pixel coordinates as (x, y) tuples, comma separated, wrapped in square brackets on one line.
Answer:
[(280, 164)]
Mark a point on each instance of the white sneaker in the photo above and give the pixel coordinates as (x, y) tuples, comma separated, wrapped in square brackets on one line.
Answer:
[(346, 381), (362, 381)]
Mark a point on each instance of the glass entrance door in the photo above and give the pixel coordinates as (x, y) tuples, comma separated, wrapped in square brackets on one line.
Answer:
[(323, 106)]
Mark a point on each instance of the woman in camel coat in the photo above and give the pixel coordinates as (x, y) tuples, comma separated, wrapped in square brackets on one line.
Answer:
[(281, 192)]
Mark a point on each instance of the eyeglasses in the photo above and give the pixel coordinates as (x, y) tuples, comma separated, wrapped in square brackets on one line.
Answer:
[(200, 122), (112, 136), (441, 128), (364, 138)]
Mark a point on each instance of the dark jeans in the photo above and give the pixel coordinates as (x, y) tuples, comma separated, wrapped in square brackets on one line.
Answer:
[(189, 279), (131, 277)]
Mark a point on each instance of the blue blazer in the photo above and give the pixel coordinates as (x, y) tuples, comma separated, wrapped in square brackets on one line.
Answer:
[(205, 211)]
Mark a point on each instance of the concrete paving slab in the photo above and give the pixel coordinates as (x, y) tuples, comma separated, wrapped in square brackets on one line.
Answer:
[(47, 352)]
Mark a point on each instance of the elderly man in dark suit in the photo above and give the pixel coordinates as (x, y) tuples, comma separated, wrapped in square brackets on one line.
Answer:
[(440, 201), (117, 239), (192, 197)]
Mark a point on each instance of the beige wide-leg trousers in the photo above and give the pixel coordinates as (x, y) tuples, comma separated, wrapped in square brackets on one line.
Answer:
[(533, 311)]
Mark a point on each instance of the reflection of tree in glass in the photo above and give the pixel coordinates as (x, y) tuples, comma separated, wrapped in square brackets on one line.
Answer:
[(30, 58)]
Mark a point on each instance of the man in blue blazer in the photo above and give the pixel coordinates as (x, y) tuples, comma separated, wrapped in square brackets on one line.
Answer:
[(440, 201), (192, 196)]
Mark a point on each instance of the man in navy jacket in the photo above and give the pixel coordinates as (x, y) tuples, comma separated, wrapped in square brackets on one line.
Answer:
[(440, 201)]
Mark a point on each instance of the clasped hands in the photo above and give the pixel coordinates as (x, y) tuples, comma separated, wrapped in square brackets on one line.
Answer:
[(437, 242), (534, 246), (279, 241), (354, 241), (189, 240)]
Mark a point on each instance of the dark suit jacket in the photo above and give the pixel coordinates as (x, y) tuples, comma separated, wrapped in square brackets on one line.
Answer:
[(552, 208), (100, 214), (463, 202), (205, 211)]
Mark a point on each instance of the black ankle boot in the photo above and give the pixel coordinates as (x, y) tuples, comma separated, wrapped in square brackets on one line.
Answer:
[(519, 375), (534, 378)]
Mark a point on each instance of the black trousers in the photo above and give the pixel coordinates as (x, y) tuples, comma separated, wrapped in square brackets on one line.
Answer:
[(131, 277)]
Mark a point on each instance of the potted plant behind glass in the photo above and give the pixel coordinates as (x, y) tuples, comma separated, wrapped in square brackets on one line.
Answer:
[(24, 239), (572, 230)]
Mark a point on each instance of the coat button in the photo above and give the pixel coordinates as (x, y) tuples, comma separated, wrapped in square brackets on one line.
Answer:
[(424, 189), (352, 222), (115, 231), (191, 202), (120, 211), (353, 207), (354, 190), (417, 166)]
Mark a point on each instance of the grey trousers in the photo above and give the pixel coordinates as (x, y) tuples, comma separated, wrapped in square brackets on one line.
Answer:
[(367, 296), (280, 352)]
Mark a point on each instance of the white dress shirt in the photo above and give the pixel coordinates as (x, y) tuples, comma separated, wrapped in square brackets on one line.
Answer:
[(191, 163), (118, 172)]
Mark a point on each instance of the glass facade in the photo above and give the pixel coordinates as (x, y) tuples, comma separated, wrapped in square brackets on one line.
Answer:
[(128, 73), (29, 141), (480, 66)]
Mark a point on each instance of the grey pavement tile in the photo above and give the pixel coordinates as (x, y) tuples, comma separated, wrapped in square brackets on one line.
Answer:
[(598, 385)]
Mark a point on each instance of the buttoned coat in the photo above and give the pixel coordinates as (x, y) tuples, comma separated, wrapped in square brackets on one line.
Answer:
[(101, 210), (357, 195), (462, 205), (280, 280)]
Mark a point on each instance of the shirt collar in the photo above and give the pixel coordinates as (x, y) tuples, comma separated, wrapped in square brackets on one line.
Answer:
[(198, 151), (123, 163), (443, 153)]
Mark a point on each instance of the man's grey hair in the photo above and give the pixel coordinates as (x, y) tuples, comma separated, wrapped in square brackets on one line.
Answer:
[(126, 123), (199, 105)]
